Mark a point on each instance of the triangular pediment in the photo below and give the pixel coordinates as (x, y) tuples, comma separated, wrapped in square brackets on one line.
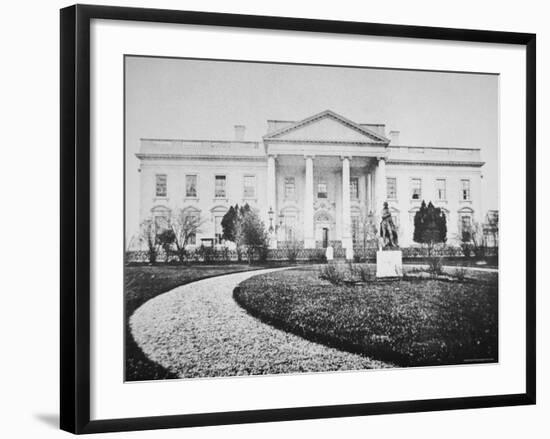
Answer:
[(326, 127)]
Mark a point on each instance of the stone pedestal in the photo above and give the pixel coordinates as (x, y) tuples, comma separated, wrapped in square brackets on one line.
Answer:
[(389, 263), (329, 253)]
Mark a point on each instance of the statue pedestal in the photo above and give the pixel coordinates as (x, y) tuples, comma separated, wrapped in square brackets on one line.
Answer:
[(389, 263)]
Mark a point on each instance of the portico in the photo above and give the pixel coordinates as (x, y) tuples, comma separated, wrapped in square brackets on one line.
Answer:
[(331, 169), (320, 197)]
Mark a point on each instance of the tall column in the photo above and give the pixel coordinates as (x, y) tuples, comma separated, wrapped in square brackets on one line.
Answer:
[(272, 198), (346, 205), (369, 192), (380, 187), (309, 238), (362, 189)]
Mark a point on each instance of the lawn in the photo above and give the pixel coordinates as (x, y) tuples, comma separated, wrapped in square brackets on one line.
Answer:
[(409, 322), (145, 282)]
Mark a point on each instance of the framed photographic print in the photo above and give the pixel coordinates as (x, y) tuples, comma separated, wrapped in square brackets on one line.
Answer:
[(273, 218)]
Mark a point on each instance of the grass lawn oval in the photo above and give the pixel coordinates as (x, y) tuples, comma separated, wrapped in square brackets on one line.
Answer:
[(409, 322)]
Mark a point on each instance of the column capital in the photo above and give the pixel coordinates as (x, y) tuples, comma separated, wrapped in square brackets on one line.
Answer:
[(272, 156), (309, 156), (343, 157), (381, 158)]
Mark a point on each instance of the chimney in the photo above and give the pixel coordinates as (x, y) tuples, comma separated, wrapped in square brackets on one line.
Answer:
[(239, 132), (394, 138)]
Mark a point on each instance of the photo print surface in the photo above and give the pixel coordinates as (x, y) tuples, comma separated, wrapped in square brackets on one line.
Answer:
[(289, 218)]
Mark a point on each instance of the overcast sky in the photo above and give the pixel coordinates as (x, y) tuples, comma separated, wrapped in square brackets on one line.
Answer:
[(195, 99)]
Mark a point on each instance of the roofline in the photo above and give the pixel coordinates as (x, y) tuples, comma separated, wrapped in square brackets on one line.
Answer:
[(334, 114), (435, 147), (199, 140), (473, 164)]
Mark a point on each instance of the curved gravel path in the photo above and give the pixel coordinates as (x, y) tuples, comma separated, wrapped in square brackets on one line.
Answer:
[(198, 330)]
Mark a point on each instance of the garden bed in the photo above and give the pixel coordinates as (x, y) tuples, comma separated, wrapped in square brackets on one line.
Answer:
[(410, 322)]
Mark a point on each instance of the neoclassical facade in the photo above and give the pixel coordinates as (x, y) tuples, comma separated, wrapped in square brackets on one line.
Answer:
[(315, 180)]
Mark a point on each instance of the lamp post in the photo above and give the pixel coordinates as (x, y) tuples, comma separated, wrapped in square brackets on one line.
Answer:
[(270, 213)]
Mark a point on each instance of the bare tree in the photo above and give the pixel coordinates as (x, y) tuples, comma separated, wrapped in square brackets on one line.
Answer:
[(472, 239), (491, 227), (368, 230), (184, 227), (147, 235)]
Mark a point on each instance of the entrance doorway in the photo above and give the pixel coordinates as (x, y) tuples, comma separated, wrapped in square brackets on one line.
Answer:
[(325, 237)]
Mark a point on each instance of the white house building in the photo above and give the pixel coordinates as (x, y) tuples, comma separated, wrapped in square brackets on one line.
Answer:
[(314, 180)]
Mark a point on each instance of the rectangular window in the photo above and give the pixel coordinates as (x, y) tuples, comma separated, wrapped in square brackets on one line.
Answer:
[(391, 188), (249, 186), (290, 187), (322, 190), (290, 227), (218, 230), (355, 229), (219, 188), (466, 227), (161, 224), (160, 185), (441, 189), (191, 186), (416, 189), (192, 237), (354, 188), (465, 192)]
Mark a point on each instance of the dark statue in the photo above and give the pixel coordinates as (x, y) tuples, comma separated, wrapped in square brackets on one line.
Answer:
[(388, 231)]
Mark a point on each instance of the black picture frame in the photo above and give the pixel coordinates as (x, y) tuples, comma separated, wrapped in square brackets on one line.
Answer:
[(75, 217)]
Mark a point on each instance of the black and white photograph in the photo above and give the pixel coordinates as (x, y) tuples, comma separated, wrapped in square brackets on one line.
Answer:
[(295, 218)]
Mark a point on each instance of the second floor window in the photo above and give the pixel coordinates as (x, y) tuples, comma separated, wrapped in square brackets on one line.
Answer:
[(219, 187), (290, 187), (441, 189), (161, 187), (416, 189), (249, 190), (391, 188), (190, 185), (465, 191), (354, 188), (322, 191)]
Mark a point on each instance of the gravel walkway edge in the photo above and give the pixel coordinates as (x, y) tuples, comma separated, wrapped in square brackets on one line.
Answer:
[(198, 330)]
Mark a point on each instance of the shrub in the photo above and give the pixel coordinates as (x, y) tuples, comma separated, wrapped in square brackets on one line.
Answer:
[(460, 273), (466, 249), (292, 251), (207, 254), (317, 256), (435, 265), (365, 273), (225, 254), (430, 226), (332, 273)]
